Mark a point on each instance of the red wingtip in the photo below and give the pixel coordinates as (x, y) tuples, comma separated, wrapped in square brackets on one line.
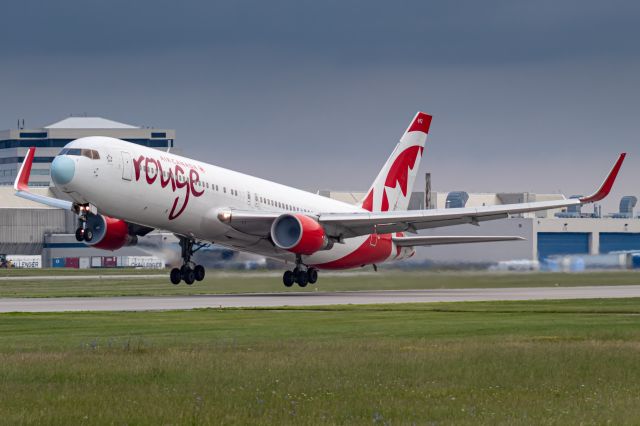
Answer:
[(607, 184), (22, 181), (420, 123)]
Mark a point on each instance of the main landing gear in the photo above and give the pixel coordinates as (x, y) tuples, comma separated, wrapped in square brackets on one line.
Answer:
[(301, 274), (189, 272)]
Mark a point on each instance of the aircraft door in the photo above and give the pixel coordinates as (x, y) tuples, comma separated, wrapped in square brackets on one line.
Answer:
[(126, 166)]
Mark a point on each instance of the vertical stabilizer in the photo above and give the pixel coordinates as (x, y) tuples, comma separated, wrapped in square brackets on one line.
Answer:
[(392, 188)]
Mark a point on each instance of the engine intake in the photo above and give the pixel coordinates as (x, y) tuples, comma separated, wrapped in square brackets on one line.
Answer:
[(299, 234), (109, 233)]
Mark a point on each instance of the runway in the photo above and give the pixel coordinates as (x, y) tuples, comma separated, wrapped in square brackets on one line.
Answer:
[(155, 303)]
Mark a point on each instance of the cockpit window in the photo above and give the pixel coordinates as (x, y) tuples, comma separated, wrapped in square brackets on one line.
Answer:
[(89, 153)]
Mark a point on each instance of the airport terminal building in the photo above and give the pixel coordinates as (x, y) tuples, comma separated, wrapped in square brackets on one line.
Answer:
[(50, 139)]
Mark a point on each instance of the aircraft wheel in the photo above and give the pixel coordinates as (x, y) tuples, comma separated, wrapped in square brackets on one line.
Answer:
[(313, 275), (175, 276), (288, 279), (199, 272), (88, 235), (80, 234), (188, 276), (303, 278)]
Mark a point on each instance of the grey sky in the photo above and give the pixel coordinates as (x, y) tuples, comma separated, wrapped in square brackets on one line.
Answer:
[(537, 96)]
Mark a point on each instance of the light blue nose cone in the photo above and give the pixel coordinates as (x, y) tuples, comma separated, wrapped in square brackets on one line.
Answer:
[(62, 170)]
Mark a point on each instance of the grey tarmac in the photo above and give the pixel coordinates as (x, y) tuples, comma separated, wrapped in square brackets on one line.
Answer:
[(316, 298)]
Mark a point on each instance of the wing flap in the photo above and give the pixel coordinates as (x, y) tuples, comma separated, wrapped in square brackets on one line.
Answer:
[(255, 223), (434, 240)]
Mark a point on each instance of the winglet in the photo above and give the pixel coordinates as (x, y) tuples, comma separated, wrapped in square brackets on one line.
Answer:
[(21, 185), (22, 181), (607, 184)]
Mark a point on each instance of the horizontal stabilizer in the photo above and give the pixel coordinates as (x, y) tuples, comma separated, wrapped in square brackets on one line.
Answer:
[(441, 240)]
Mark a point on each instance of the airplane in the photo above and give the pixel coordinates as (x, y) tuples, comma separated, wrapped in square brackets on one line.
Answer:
[(120, 191)]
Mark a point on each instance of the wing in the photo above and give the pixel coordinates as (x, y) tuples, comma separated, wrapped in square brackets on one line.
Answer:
[(441, 240), (348, 225), (21, 186)]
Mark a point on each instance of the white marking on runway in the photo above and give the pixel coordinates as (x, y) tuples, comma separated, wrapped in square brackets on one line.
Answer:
[(157, 303)]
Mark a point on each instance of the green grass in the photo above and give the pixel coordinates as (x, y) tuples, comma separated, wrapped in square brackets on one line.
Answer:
[(550, 362), (268, 282)]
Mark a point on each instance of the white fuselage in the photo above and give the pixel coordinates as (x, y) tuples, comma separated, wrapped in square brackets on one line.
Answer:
[(165, 191)]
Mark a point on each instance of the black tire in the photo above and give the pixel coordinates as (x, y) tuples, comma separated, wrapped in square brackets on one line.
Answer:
[(288, 279), (80, 234), (88, 235), (199, 272), (175, 276), (188, 276), (303, 278), (313, 275)]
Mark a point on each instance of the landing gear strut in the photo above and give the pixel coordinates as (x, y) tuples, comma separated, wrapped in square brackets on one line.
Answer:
[(82, 232), (301, 274), (189, 272)]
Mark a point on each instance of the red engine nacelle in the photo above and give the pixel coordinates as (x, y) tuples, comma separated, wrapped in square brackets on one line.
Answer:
[(109, 233), (298, 234)]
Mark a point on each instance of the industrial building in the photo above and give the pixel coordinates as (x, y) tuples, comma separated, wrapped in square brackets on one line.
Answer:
[(30, 228)]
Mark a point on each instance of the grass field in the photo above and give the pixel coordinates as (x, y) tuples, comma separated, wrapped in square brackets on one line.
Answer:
[(266, 282), (554, 362)]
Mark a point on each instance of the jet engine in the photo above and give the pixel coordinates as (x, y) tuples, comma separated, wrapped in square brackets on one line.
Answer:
[(108, 233), (299, 234)]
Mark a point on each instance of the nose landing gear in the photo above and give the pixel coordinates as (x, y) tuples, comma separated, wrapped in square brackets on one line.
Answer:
[(82, 232), (189, 272), (301, 274)]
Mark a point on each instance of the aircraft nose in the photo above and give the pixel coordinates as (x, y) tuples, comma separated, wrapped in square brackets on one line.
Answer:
[(62, 170)]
